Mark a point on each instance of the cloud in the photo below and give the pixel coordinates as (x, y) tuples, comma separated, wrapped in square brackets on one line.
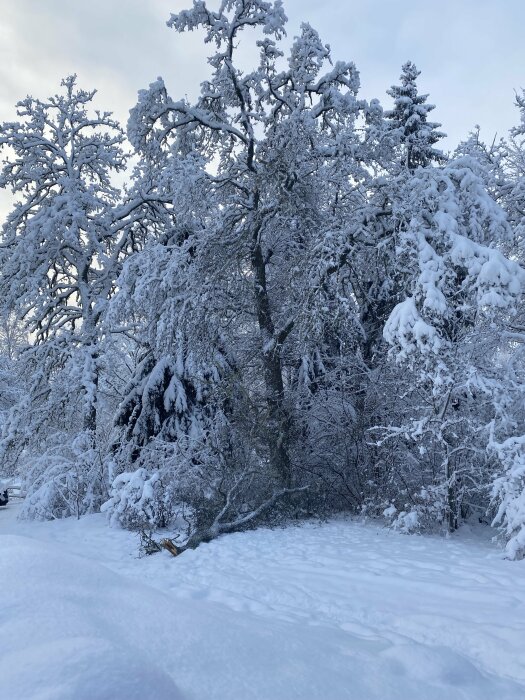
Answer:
[(471, 53), (117, 46)]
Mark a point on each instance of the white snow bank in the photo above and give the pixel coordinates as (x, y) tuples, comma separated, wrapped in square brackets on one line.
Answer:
[(63, 627), (82, 668), (341, 611)]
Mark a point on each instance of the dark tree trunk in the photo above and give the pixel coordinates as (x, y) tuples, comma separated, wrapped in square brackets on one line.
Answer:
[(90, 417), (452, 500), (278, 429)]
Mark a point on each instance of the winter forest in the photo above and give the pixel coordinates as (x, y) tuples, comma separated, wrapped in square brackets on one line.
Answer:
[(278, 302), (262, 378)]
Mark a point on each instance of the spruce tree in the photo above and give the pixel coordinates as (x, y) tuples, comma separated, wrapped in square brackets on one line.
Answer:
[(409, 120)]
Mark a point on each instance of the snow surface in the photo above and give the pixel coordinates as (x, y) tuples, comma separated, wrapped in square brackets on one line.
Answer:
[(342, 610)]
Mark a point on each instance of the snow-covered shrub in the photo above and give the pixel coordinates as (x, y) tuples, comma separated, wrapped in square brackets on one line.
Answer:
[(407, 522), (138, 500), (424, 513), (508, 494), (64, 481)]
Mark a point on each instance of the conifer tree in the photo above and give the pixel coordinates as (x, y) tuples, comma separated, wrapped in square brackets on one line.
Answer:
[(409, 121)]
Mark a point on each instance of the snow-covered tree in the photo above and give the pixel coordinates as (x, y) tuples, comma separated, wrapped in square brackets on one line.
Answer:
[(254, 263), (508, 493), (458, 287), (62, 246), (12, 382), (508, 489), (409, 121), (58, 238), (514, 170)]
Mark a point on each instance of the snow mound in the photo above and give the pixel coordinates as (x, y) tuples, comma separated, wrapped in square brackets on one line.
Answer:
[(82, 668), (62, 630)]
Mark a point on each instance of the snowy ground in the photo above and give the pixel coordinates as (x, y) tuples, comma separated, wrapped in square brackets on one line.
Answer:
[(337, 611)]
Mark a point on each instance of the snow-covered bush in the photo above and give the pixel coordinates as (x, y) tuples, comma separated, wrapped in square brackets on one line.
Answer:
[(508, 494), (139, 500), (425, 512), (64, 482)]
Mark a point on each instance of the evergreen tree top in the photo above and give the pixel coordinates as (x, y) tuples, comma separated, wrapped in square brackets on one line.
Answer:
[(408, 120)]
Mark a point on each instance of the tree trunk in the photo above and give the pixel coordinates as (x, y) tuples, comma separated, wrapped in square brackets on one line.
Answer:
[(90, 416), (278, 429), (452, 508), (450, 475)]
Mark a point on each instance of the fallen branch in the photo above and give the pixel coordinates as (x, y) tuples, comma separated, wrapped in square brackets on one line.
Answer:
[(207, 534), (149, 545)]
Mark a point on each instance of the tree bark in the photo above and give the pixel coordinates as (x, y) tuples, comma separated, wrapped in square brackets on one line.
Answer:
[(452, 505), (90, 416), (278, 429)]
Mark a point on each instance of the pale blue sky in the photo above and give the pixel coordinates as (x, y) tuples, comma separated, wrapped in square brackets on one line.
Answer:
[(471, 52)]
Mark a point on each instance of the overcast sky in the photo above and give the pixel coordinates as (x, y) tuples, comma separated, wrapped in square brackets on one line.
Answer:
[(471, 52)]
